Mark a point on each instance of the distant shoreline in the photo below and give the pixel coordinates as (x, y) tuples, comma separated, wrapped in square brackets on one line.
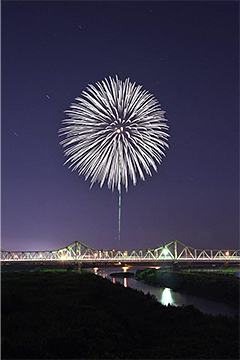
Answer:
[(122, 274), (220, 287)]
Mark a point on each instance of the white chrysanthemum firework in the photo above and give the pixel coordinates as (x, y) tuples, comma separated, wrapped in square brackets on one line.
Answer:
[(114, 131)]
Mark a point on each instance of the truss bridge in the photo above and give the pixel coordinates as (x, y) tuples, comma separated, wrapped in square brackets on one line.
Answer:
[(78, 252)]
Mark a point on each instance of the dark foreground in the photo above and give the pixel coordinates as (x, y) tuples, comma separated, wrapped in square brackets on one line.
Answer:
[(73, 315)]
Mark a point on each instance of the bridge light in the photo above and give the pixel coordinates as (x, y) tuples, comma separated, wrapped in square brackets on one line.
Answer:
[(125, 253), (165, 252), (227, 253), (95, 255), (15, 256)]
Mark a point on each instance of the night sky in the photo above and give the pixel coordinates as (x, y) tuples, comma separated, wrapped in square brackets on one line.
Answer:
[(186, 55)]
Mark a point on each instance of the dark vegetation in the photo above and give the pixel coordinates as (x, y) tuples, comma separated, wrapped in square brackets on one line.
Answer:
[(78, 315), (220, 286)]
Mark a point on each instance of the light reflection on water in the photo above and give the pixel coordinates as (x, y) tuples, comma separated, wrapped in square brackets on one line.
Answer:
[(167, 296)]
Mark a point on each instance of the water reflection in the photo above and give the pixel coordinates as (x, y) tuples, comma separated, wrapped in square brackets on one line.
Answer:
[(95, 270), (166, 297)]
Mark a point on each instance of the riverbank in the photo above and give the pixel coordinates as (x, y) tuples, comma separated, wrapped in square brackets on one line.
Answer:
[(122, 274), (219, 286), (73, 314)]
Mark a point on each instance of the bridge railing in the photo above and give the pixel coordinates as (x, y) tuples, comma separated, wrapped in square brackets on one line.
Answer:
[(173, 251)]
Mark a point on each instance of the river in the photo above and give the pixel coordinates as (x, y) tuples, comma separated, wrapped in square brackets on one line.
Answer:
[(167, 296)]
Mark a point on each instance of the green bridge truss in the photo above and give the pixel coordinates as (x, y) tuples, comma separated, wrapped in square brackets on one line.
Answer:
[(80, 252)]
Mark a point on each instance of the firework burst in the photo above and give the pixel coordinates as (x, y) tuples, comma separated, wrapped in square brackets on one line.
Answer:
[(114, 131)]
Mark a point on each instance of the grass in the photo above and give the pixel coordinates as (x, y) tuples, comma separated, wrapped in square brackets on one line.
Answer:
[(78, 315)]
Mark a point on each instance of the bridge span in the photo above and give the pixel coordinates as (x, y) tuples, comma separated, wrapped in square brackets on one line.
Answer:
[(78, 252)]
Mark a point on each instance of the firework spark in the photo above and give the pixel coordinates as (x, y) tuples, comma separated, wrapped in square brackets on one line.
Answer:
[(114, 122)]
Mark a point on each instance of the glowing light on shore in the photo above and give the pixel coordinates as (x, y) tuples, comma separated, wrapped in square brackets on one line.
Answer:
[(95, 270)]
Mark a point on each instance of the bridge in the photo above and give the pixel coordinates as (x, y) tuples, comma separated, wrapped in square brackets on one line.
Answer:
[(80, 253)]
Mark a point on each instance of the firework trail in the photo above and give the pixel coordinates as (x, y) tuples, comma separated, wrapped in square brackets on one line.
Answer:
[(114, 131)]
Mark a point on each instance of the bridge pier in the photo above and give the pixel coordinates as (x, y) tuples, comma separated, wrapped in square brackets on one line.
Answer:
[(77, 266)]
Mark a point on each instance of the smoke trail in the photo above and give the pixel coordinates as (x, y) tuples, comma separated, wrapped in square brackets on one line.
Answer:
[(119, 195)]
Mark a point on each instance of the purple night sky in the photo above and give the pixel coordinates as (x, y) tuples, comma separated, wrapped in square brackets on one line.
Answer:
[(186, 55)]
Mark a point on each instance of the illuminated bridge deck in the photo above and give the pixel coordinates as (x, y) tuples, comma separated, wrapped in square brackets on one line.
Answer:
[(173, 252)]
